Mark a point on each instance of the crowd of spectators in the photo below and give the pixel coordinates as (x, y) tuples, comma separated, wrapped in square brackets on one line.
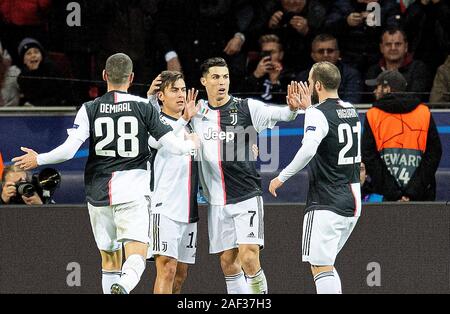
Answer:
[(267, 43), (396, 56)]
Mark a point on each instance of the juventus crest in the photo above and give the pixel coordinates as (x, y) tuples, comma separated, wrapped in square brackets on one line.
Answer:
[(233, 116)]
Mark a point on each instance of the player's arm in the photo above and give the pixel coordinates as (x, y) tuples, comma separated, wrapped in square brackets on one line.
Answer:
[(266, 117), (77, 135), (298, 98), (165, 136), (316, 128), (153, 143)]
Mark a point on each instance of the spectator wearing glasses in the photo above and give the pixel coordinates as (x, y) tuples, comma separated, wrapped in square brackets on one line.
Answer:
[(325, 48)]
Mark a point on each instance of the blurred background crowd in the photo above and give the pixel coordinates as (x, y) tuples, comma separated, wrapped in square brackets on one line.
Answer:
[(50, 56)]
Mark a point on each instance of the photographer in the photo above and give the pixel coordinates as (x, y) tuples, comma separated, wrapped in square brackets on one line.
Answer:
[(270, 76), (10, 178)]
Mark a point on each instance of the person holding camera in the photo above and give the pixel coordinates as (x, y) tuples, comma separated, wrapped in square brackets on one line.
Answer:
[(16, 189), (270, 76)]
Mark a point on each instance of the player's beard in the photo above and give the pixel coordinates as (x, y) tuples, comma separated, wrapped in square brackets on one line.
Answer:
[(315, 97)]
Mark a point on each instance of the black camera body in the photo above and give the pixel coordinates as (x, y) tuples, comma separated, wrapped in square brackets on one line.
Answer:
[(286, 19), (265, 54), (43, 183)]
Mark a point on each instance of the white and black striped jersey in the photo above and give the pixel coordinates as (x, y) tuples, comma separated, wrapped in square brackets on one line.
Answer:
[(334, 170), (227, 166), (118, 125), (174, 179)]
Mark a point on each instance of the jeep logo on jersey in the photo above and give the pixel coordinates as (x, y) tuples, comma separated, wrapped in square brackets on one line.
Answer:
[(216, 135)]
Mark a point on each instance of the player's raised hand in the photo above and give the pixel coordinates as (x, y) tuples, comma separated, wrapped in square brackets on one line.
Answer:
[(154, 88), (293, 97), (306, 92), (27, 161), (275, 184), (190, 108)]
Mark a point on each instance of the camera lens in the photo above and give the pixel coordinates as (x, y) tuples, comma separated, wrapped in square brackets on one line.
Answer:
[(26, 189)]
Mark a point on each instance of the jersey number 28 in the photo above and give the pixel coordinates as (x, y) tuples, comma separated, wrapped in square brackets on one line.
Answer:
[(349, 130), (124, 136)]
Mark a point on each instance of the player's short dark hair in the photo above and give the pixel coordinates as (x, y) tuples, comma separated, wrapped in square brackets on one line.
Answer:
[(323, 38), (392, 30), (118, 68), (326, 73), (168, 78), (212, 62)]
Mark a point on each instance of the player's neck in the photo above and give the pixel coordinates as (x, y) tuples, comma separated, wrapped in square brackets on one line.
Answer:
[(118, 88), (173, 114), (218, 103), (328, 95)]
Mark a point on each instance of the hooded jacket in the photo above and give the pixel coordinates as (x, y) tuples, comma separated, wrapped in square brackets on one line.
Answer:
[(401, 148)]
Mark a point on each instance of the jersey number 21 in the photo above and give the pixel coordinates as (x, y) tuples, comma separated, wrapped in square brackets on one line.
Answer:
[(348, 130)]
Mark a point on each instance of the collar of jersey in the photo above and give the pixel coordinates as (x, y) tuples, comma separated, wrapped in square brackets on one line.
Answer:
[(317, 105), (168, 117), (118, 91), (223, 106)]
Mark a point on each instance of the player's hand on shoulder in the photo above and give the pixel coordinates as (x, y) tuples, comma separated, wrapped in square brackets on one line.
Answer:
[(27, 161), (275, 184)]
